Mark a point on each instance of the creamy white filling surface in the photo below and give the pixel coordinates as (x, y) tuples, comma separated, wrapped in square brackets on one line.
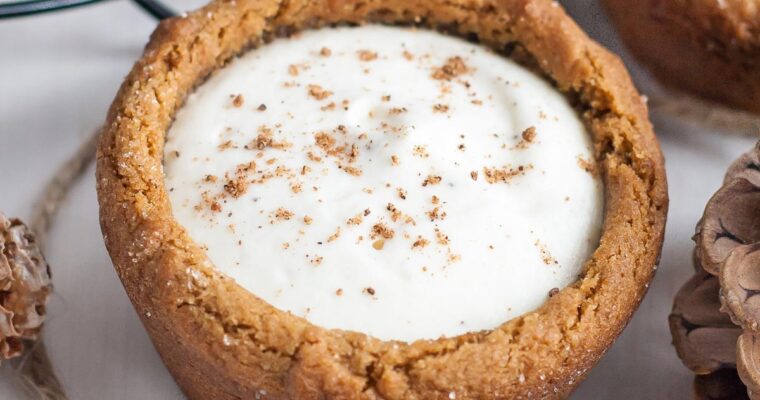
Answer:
[(391, 181)]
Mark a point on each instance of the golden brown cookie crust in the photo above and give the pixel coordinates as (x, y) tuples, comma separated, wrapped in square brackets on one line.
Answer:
[(222, 342), (704, 47)]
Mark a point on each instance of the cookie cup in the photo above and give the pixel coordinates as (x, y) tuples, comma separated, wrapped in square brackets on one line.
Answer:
[(709, 49), (220, 341)]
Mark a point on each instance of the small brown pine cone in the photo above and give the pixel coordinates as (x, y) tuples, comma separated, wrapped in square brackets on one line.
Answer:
[(24, 287)]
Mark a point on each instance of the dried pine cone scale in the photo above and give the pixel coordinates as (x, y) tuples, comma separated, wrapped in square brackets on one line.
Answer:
[(703, 336), (723, 384), (730, 220), (24, 287), (747, 166), (748, 362), (740, 286)]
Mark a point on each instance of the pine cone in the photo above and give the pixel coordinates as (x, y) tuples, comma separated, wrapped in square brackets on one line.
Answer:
[(24, 287), (715, 321)]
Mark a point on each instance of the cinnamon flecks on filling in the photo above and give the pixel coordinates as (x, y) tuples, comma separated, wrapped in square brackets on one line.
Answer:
[(357, 171)]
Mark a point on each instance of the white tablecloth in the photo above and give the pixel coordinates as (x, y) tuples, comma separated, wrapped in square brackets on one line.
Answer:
[(58, 74)]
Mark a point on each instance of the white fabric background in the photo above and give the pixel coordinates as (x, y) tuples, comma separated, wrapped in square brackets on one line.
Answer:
[(58, 74)]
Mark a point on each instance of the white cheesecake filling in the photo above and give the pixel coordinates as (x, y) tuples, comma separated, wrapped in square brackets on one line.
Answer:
[(391, 181)]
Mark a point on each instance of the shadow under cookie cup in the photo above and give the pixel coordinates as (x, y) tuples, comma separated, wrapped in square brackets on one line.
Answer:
[(221, 341)]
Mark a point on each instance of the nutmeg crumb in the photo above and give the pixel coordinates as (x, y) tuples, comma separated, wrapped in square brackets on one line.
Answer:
[(529, 134), (355, 220), (236, 187), (283, 214), (436, 213), (264, 140), (318, 92), (526, 138), (453, 67), (334, 236), (420, 151), (316, 260), (588, 166), (431, 180), (440, 108), (505, 174), (366, 55), (546, 257), (352, 170), (324, 141), (380, 229), (420, 242), (227, 144), (395, 213), (238, 101)]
